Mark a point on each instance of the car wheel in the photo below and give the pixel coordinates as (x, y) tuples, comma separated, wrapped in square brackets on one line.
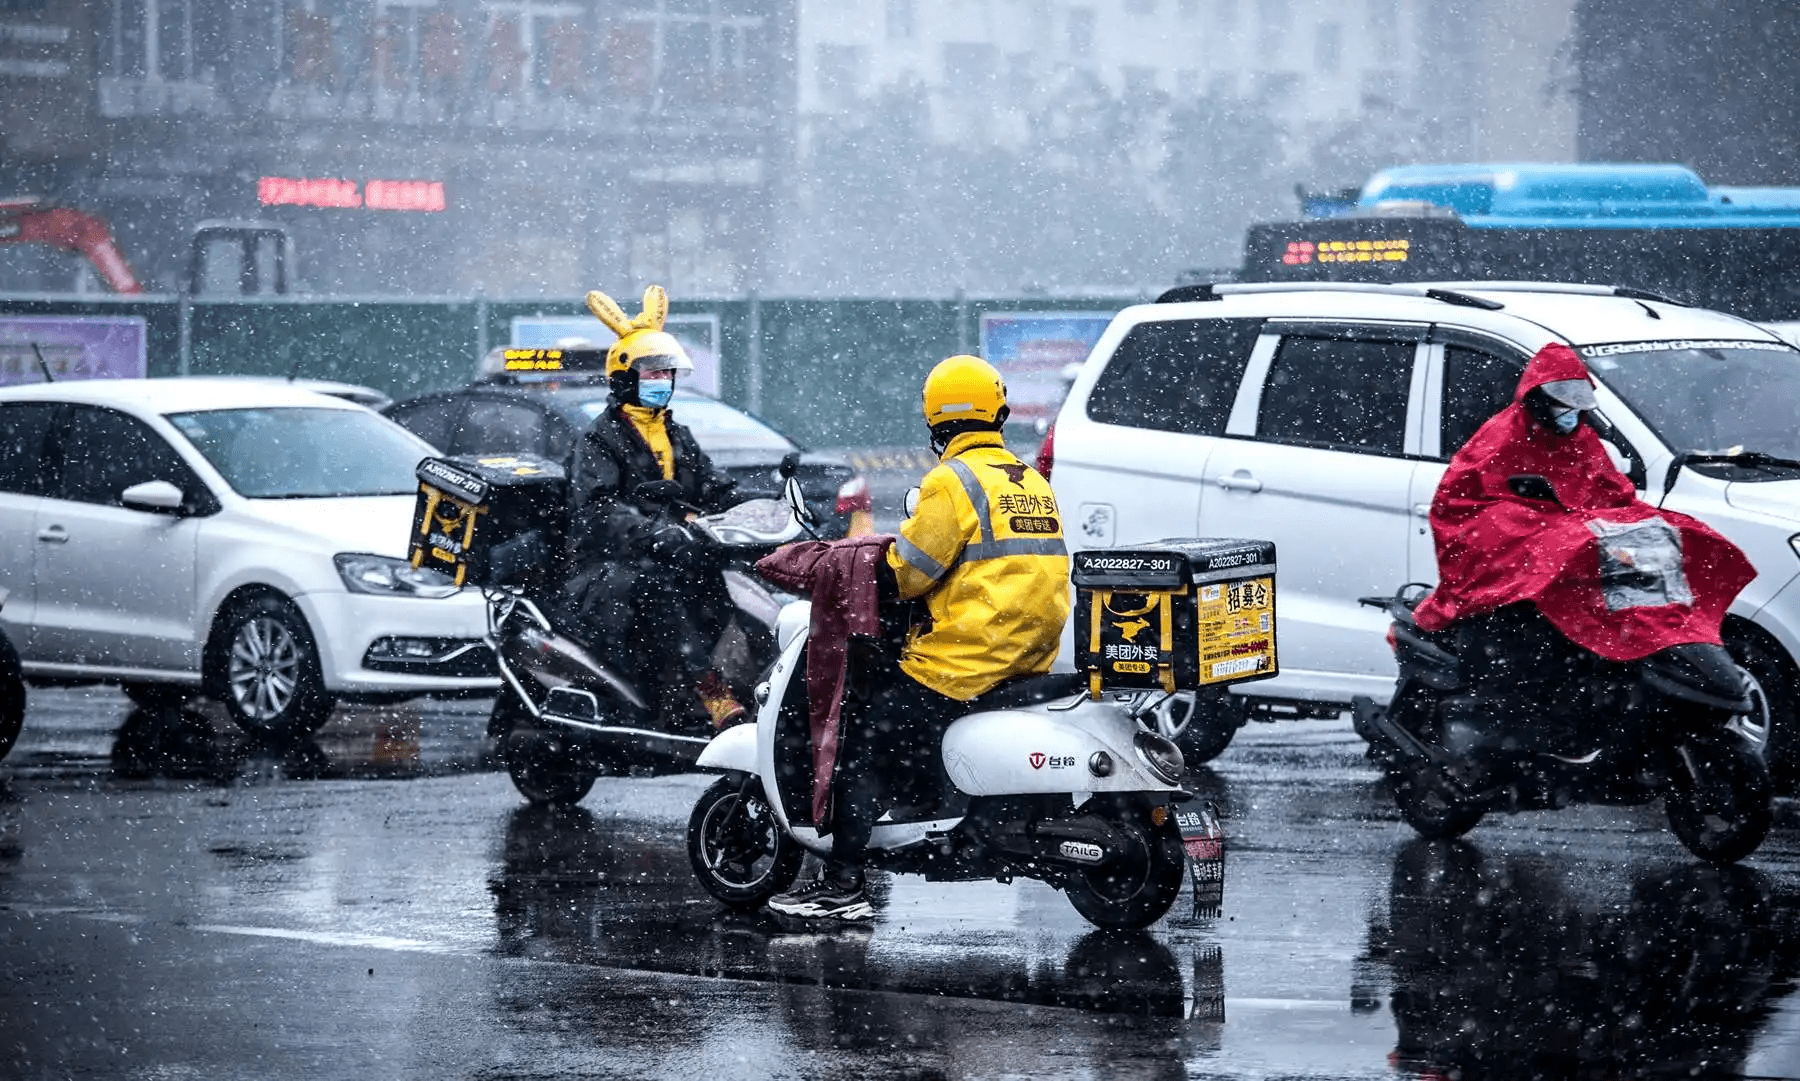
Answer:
[(268, 668), (1777, 697), (1202, 725), (159, 695), (12, 696)]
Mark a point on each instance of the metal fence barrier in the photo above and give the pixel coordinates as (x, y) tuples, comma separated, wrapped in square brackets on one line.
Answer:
[(828, 372)]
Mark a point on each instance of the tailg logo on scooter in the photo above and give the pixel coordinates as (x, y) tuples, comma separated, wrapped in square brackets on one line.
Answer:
[(1055, 761), (1081, 850)]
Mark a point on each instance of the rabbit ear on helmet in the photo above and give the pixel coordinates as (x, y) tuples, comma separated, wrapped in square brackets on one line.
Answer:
[(656, 309), (607, 310)]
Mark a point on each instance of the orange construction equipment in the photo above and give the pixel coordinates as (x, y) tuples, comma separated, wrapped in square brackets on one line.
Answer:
[(30, 220)]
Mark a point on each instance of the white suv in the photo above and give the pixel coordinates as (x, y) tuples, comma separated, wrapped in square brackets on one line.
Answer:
[(1321, 417), (181, 536)]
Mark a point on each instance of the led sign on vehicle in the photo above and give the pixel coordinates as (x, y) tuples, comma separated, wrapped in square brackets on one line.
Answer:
[(553, 360), (1300, 252), (422, 195)]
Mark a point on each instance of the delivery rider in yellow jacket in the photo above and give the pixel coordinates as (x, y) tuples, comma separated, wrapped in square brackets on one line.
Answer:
[(984, 549)]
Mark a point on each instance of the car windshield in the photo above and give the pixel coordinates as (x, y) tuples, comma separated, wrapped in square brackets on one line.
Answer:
[(716, 426), (304, 453), (1708, 397)]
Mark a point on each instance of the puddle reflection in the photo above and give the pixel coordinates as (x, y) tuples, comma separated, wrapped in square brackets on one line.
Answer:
[(572, 887), (1509, 966)]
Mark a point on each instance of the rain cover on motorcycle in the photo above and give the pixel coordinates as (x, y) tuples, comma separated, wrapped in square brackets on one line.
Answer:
[(1179, 614), (468, 508)]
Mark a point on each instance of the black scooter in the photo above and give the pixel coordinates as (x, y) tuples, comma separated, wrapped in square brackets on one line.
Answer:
[(566, 715), (1682, 724)]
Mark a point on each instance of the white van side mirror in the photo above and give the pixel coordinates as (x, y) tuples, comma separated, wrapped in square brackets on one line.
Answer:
[(910, 502), (155, 496)]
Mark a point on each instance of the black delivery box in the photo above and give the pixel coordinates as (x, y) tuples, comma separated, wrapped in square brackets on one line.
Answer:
[(469, 506), (1179, 614)]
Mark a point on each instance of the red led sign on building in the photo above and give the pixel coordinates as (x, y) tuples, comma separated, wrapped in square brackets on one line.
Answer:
[(426, 195)]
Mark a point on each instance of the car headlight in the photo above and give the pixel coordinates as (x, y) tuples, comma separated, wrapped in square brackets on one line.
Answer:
[(390, 577)]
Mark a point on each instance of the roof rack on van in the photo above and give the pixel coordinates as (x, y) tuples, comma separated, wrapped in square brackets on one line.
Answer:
[(1625, 292), (1453, 292), (1183, 294)]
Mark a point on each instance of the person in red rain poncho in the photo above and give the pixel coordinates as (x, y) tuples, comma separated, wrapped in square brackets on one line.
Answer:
[(1520, 578)]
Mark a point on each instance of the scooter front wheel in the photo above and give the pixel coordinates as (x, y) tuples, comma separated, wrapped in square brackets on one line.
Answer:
[(738, 849), (1719, 798), (1140, 885)]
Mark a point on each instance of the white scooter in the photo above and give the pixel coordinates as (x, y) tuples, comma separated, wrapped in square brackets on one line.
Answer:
[(1039, 780)]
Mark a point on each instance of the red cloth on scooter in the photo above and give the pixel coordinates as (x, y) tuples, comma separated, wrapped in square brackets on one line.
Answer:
[(841, 577), (1495, 547)]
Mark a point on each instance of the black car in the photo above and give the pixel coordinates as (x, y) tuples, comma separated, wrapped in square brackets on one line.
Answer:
[(507, 416)]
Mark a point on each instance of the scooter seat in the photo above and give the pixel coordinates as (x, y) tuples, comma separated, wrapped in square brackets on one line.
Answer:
[(1029, 691)]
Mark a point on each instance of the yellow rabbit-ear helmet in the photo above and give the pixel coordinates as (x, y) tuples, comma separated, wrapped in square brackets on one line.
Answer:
[(963, 388), (648, 350)]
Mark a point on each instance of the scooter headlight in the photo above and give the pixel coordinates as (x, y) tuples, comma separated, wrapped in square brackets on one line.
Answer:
[(1160, 756)]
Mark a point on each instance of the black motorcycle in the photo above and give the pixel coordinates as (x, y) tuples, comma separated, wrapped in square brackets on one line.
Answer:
[(1682, 724), (567, 713)]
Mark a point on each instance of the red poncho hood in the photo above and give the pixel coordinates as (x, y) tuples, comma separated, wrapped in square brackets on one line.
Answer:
[(1496, 548)]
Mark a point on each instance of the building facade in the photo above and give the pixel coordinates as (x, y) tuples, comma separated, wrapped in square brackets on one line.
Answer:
[(503, 147)]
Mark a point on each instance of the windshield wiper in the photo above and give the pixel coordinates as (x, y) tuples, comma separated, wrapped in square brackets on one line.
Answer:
[(1749, 459)]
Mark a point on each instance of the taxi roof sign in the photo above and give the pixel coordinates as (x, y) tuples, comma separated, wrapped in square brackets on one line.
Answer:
[(522, 361)]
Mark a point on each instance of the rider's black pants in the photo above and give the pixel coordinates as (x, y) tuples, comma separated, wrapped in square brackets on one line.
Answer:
[(1521, 668), (896, 739), (661, 612)]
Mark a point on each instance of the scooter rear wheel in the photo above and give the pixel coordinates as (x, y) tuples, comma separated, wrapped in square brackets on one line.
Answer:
[(542, 771), (1138, 887), (738, 849), (1432, 812), (1718, 799)]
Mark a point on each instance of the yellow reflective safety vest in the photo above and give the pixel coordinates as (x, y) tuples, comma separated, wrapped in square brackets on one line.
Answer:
[(985, 550)]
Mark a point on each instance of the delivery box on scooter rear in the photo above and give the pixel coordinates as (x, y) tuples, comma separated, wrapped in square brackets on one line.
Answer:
[(469, 508), (1179, 614)]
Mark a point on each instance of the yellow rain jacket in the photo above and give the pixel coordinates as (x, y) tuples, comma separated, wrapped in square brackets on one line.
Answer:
[(985, 548)]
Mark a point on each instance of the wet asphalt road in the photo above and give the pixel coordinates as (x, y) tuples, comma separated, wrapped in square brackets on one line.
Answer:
[(176, 902)]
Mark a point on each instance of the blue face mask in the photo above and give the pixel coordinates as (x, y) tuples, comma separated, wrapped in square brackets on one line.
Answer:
[(1565, 421), (655, 393)]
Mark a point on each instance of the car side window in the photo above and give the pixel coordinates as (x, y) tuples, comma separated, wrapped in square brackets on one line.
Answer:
[(432, 420), (24, 467), (1338, 394), (102, 452), (497, 426), (1477, 385), (1178, 375)]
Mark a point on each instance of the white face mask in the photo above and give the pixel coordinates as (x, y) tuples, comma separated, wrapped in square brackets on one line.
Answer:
[(655, 393)]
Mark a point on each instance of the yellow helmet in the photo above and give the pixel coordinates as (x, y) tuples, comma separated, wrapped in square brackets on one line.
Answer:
[(643, 345), (964, 388)]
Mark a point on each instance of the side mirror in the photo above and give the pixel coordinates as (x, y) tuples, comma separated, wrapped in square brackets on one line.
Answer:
[(910, 502), (790, 464), (1533, 486), (795, 500), (155, 496)]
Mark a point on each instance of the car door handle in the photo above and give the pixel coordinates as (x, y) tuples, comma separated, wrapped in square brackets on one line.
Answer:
[(1421, 510), (1240, 482), (54, 535)]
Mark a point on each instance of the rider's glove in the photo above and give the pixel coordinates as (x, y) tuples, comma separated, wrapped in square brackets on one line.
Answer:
[(676, 545)]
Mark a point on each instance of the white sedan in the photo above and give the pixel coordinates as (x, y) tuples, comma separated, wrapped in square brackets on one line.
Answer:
[(219, 536)]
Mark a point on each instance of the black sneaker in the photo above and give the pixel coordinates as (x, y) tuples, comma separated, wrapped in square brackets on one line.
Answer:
[(823, 899)]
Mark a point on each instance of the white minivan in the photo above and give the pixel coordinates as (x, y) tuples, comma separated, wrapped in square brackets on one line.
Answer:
[(1321, 416)]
